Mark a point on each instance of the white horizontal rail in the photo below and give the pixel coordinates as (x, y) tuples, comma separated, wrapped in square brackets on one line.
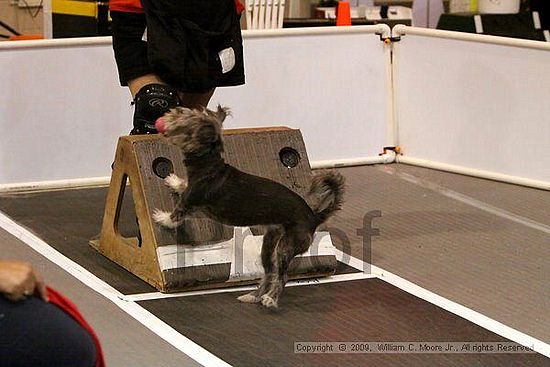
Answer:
[(475, 172), (400, 30), (362, 161), (57, 43), (384, 159), (55, 185), (381, 29), (23, 187)]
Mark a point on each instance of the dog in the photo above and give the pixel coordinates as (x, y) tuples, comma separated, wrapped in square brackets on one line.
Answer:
[(232, 197)]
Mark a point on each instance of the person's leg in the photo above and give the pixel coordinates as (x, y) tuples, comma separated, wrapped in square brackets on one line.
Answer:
[(141, 81), (37, 333), (151, 102), (196, 100), (151, 96)]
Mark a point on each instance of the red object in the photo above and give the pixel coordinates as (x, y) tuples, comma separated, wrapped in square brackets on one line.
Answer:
[(343, 14), (127, 6), (239, 6), (69, 308), (159, 125), (26, 37), (134, 6)]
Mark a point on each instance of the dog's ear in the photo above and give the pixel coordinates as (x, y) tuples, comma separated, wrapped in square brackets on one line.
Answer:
[(207, 134), (222, 113)]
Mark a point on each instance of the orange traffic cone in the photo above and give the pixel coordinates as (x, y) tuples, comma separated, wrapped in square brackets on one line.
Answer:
[(343, 13)]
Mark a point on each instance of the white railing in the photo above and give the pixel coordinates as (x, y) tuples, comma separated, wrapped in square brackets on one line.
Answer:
[(465, 103), (63, 109), (474, 104)]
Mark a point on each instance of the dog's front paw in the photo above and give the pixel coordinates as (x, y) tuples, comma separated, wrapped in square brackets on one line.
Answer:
[(269, 302), (177, 184), (249, 298), (164, 218)]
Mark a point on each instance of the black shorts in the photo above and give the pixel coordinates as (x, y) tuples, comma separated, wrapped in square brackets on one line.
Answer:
[(130, 51), (192, 45)]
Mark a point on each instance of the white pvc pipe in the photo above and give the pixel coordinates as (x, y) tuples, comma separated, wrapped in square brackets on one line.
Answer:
[(47, 19), (475, 172), (391, 125), (55, 185), (382, 159), (57, 43), (400, 30), (382, 29), (13, 188)]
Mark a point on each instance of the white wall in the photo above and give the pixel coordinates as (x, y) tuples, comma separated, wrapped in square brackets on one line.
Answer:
[(474, 103), (331, 86), (61, 112), (62, 108)]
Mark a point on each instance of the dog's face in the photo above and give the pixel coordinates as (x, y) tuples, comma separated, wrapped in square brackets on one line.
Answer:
[(195, 132)]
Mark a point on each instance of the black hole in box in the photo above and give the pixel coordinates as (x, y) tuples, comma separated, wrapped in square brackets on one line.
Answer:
[(289, 157), (162, 167)]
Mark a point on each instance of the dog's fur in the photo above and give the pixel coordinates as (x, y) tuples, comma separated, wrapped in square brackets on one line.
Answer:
[(235, 198)]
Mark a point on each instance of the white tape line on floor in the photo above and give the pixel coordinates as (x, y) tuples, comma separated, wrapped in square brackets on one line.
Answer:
[(206, 358), (453, 307), (163, 330), (295, 283), (471, 201)]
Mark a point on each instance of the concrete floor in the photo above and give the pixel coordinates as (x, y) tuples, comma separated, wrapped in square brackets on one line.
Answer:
[(480, 243)]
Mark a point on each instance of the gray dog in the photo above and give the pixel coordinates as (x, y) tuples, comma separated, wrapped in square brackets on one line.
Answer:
[(232, 197)]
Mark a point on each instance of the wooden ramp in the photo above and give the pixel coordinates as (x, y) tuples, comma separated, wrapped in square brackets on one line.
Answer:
[(202, 253)]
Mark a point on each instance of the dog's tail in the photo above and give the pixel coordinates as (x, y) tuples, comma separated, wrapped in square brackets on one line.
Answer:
[(327, 194)]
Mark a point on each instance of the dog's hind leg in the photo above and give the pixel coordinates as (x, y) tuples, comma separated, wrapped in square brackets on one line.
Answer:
[(294, 242), (271, 238)]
